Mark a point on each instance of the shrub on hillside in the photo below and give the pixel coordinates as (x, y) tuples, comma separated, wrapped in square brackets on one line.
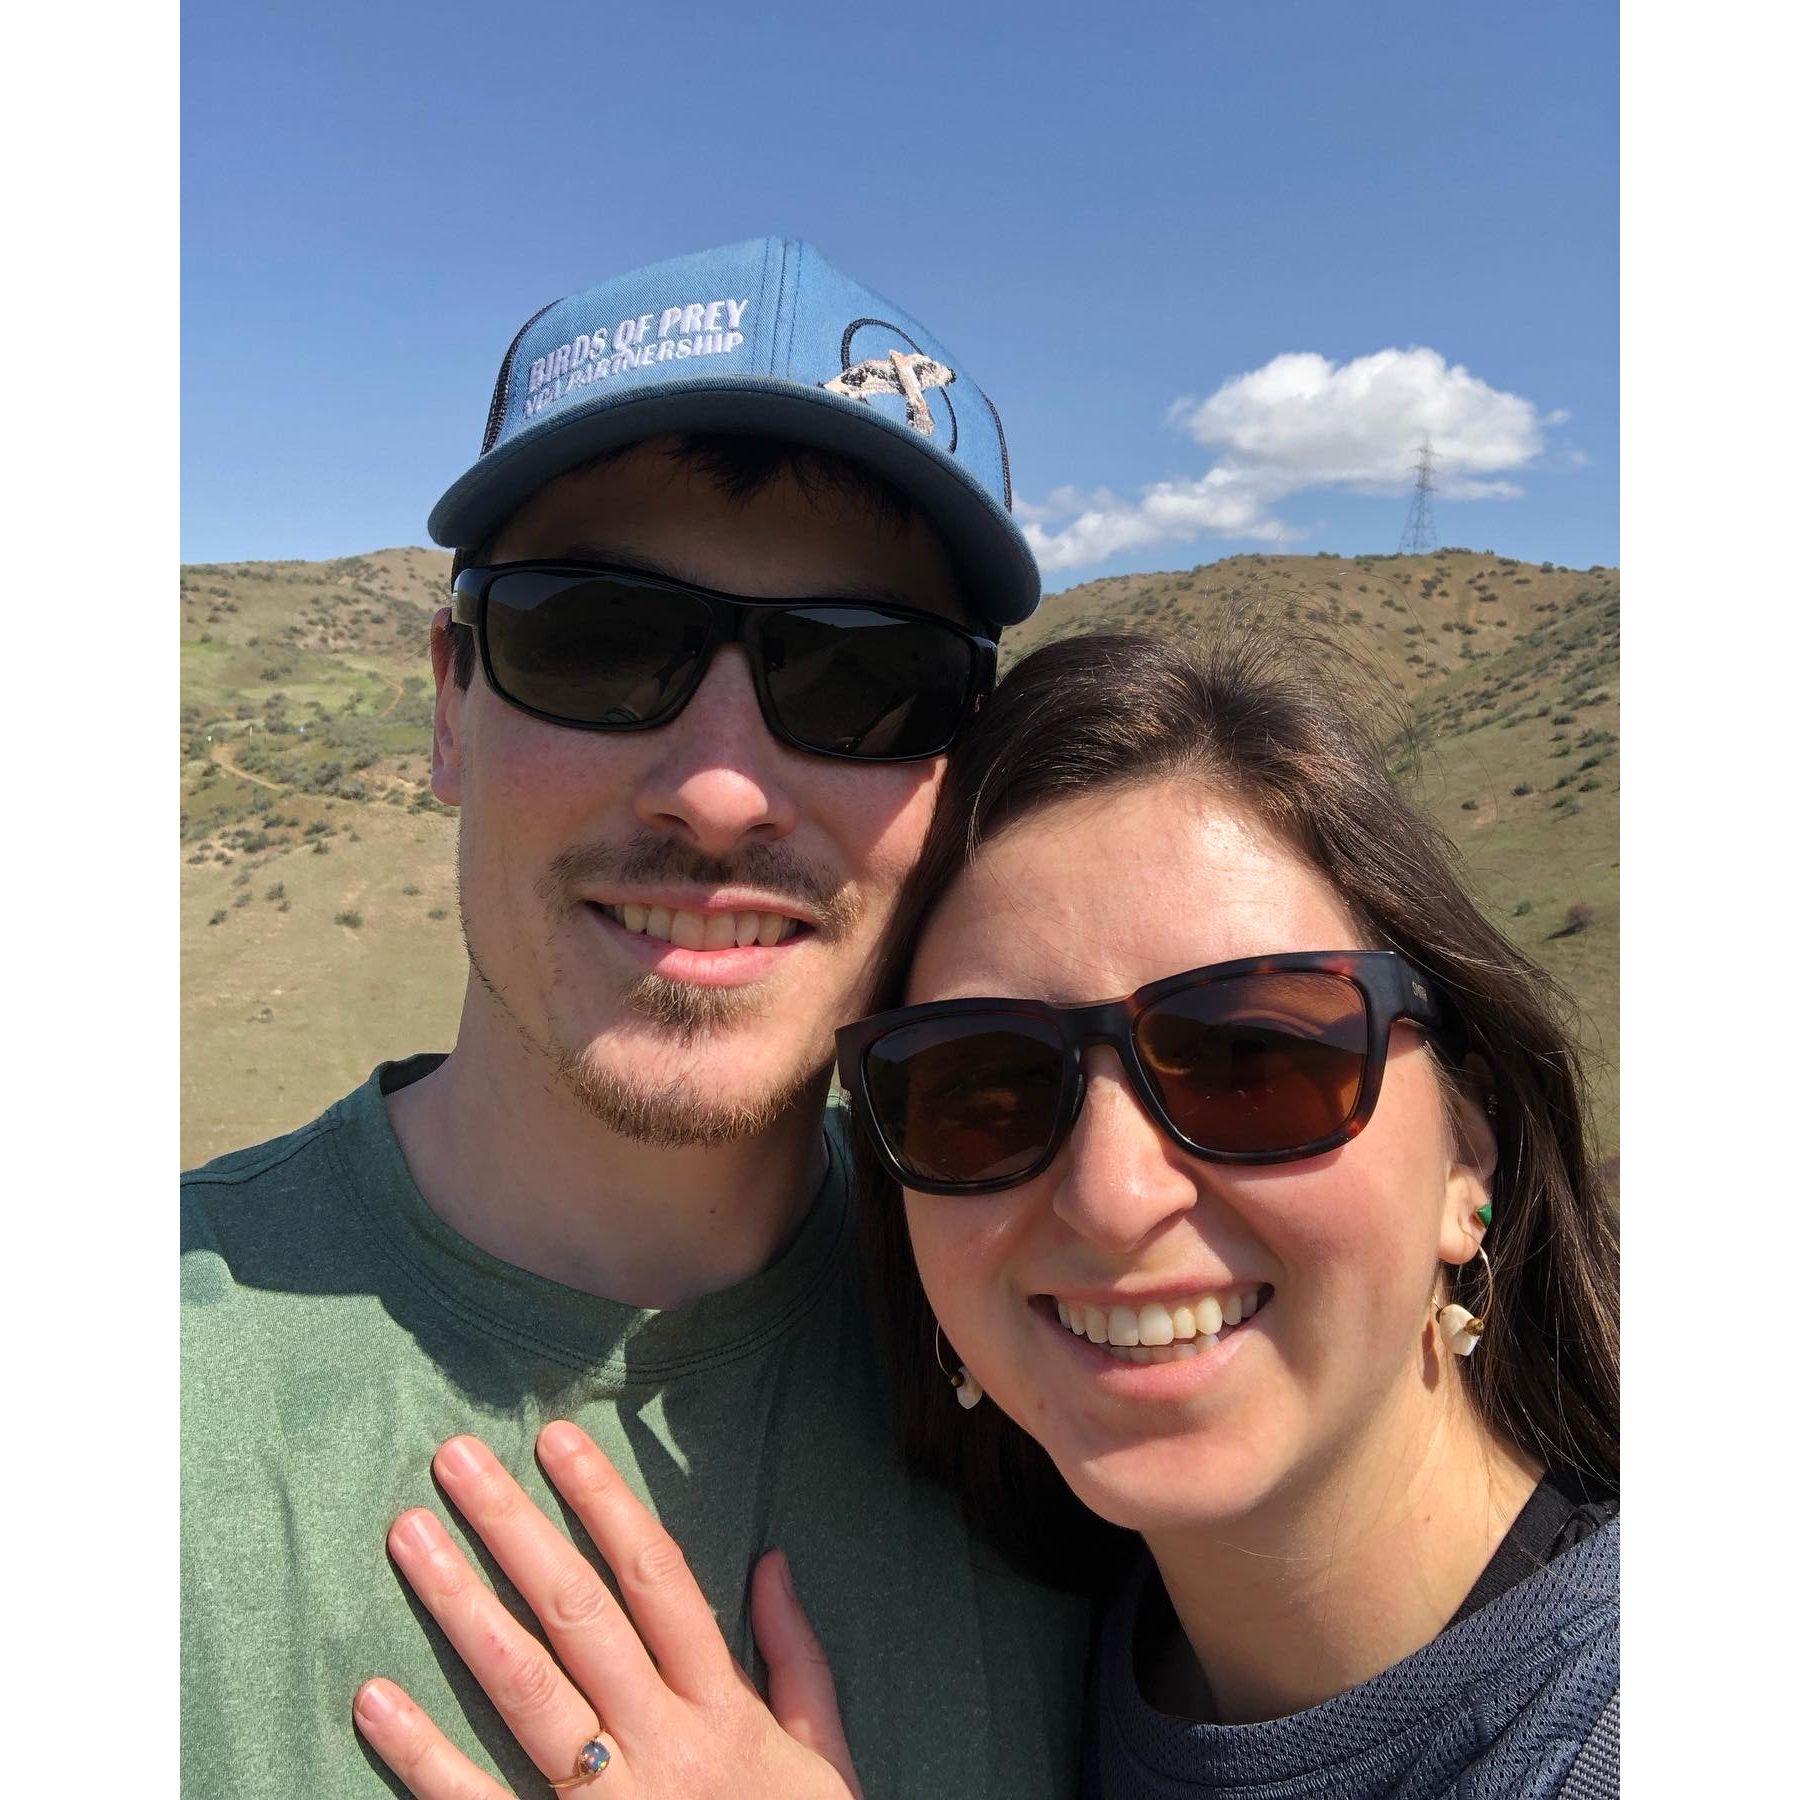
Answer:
[(352, 919)]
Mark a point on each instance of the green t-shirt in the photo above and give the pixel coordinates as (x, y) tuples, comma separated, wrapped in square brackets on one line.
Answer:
[(336, 1331)]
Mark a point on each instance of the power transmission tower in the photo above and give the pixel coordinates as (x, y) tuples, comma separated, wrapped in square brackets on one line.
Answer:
[(1420, 534)]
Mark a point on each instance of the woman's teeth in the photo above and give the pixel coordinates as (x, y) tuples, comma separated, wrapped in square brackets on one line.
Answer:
[(703, 931), (1157, 1333)]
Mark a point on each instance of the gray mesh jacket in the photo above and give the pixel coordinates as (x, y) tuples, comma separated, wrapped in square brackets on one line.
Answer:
[(1496, 1707)]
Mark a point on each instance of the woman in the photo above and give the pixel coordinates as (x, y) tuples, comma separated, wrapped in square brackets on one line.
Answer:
[(1222, 1254), (1231, 1221)]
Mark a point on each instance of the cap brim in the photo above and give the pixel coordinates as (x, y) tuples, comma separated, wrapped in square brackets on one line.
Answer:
[(997, 563)]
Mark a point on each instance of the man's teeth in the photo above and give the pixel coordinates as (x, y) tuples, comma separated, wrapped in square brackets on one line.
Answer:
[(1157, 1333), (703, 931)]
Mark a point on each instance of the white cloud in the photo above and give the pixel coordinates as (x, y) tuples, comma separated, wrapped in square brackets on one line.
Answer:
[(1302, 422)]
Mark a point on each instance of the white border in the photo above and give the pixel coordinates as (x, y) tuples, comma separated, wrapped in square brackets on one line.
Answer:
[(1711, 1084), (89, 906)]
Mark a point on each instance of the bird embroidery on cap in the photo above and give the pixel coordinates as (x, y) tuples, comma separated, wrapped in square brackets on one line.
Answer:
[(904, 372)]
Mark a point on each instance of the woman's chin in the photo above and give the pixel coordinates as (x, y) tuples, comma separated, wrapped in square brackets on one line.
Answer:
[(1169, 1487)]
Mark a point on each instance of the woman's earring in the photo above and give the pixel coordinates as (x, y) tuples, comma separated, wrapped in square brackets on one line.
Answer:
[(1462, 1329), (968, 1389)]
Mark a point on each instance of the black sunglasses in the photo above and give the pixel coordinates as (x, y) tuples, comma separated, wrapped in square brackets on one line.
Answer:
[(1265, 1060), (612, 649)]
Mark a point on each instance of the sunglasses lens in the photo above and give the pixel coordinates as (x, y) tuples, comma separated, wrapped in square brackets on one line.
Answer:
[(854, 681), (1258, 1063), (593, 650), (968, 1099)]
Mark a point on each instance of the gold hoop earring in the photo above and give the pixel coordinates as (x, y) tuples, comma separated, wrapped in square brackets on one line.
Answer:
[(1462, 1329), (968, 1389)]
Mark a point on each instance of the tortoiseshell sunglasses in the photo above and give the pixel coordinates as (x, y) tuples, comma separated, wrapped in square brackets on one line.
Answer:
[(1265, 1060)]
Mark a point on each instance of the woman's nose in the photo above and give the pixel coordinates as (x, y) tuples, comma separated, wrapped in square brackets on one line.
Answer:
[(1121, 1176)]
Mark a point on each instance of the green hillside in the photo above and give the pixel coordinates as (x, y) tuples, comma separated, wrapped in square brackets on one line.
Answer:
[(318, 878), (318, 904)]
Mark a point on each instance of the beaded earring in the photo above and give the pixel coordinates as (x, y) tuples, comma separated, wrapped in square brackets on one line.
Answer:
[(968, 1389)]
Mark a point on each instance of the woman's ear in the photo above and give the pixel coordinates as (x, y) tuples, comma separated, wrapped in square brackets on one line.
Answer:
[(1474, 1155)]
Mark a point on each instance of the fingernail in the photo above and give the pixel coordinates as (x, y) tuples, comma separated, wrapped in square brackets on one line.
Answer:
[(375, 1703), (417, 1532), (561, 1438), (787, 1575), (459, 1457)]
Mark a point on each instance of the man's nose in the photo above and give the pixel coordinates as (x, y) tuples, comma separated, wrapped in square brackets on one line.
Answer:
[(715, 775), (1122, 1176)]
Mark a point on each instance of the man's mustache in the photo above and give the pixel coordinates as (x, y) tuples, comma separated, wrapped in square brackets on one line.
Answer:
[(652, 857)]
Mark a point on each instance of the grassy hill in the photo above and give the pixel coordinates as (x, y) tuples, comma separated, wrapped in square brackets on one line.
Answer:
[(318, 878), (318, 906)]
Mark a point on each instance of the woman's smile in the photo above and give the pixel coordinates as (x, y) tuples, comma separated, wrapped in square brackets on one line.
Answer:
[(1152, 1332)]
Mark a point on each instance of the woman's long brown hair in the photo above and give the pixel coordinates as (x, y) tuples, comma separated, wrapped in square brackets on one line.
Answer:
[(1253, 717)]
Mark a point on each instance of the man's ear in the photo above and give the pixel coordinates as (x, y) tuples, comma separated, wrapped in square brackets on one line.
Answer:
[(1469, 1179), (446, 716)]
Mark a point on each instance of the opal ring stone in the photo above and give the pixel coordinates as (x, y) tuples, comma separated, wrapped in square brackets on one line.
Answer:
[(590, 1760)]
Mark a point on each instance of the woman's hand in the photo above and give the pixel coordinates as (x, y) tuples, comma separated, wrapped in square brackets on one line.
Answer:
[(659, 1688)]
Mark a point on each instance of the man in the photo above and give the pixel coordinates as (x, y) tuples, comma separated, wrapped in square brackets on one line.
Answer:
[(684, 822)]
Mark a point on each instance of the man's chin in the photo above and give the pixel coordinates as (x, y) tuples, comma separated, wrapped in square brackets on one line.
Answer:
[(687, 1011), (678, 1101)]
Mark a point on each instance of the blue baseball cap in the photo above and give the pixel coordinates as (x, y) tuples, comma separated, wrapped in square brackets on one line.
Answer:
[(763, 337)]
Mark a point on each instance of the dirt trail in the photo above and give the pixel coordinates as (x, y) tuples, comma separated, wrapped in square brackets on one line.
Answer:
[(219, 753)]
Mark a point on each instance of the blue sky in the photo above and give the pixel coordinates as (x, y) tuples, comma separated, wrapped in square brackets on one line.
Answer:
[(1173, 242)]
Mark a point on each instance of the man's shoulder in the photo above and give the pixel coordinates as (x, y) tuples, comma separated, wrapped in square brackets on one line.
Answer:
[(282, 1249), (257, 1176), (260, 1216), (315, 1160), (243, 1168)]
